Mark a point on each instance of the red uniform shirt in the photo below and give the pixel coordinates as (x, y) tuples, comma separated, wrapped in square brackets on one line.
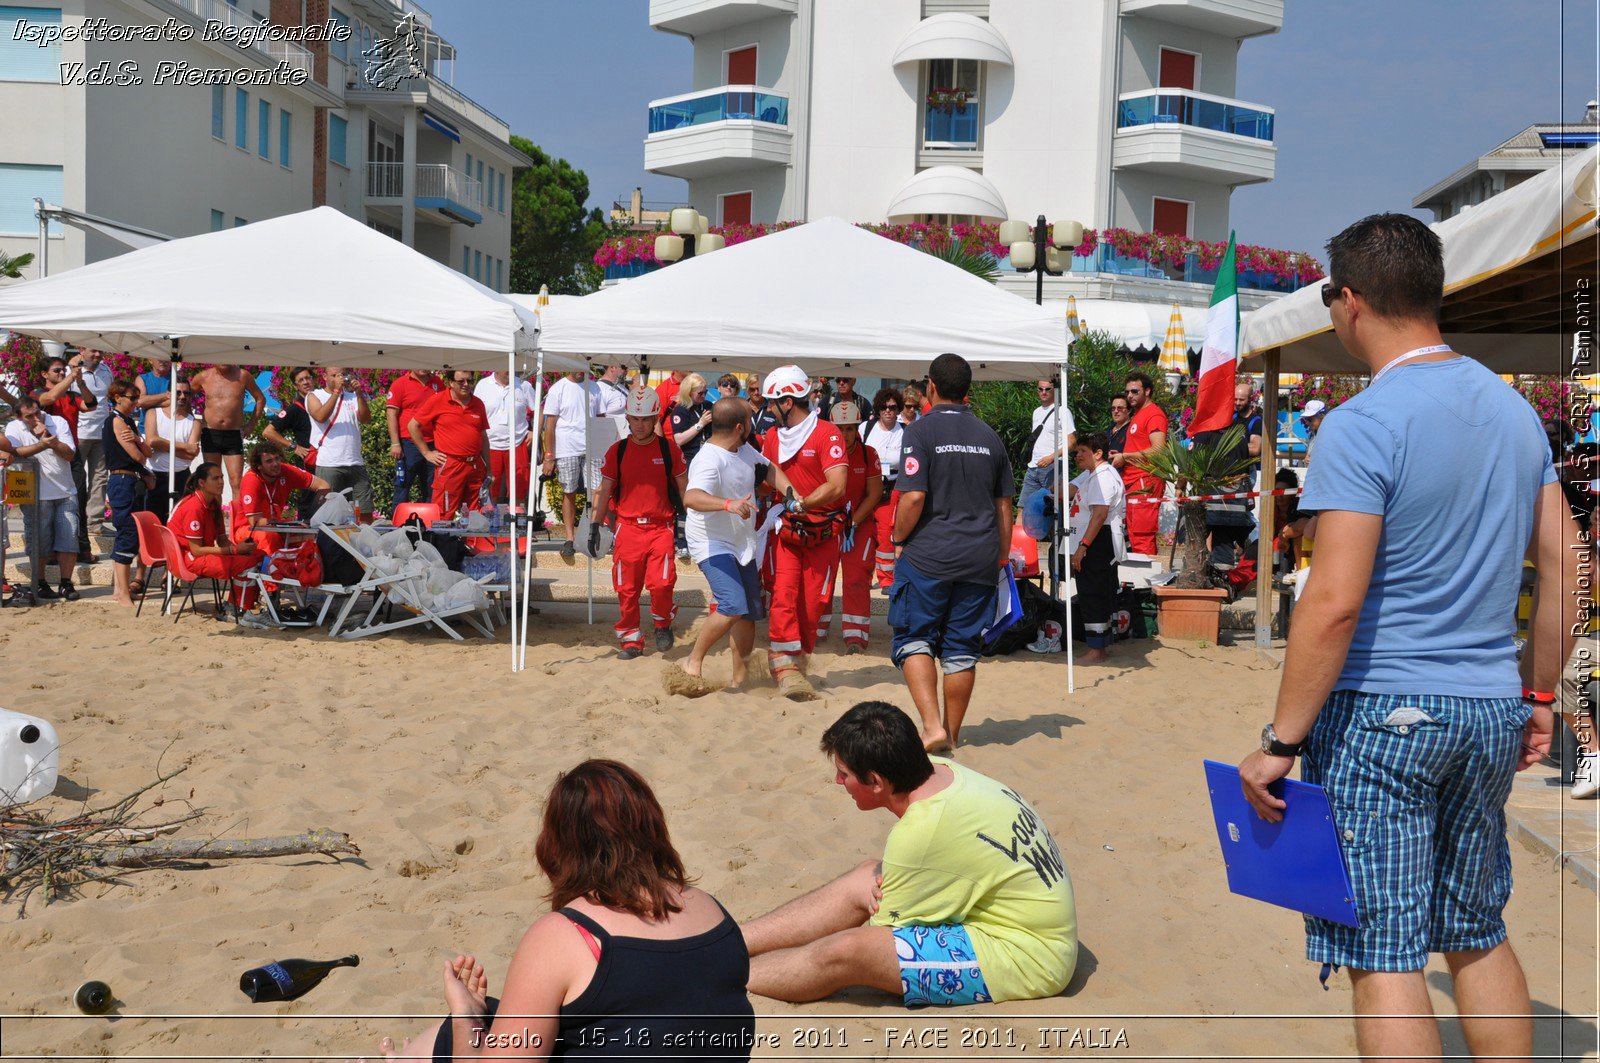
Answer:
[(67, 407), (193, 519), (1148, 418), (644, 481), (808, 469), (863, 463), (260, 497), (406, 395), (668, 390), (456, 430)]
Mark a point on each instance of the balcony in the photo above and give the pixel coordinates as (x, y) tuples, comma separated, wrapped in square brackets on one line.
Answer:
[(441, 190), (718, 130), (694, 17), (237, 21), (1230, 18), (1192, 135), (428, 91)]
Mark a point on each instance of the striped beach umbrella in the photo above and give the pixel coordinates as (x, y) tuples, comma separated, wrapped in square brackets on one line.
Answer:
[(1175, 351), (1073, 324)]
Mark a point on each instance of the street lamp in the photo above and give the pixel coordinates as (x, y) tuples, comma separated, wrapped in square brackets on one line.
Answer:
[(1045, 251), (690, 235)]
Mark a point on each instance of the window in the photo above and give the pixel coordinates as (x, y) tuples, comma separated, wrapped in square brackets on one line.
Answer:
[(239, 223), (952, 108), (466, 261), (338, 133), (339, 49), (1170, 216), (499, 274), (264, 129), (219, 105), (469, 164), (21, 58), (502, 193), (285, 135), (219, 221), (480, 173), (735, 208), (19, 184), (477, 265), (241, 119), (1179, 70)]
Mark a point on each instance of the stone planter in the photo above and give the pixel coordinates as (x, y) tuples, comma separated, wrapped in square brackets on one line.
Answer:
[(1195, 615)]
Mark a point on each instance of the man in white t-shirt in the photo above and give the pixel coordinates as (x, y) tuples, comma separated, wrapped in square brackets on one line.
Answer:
[(495, 392), (608, 396), (721, 532), (47, 439), (96, 380), (1046, 448), (564, 449), (337, 413)]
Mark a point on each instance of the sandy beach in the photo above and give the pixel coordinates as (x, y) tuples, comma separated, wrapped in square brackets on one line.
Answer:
[(436, 760)]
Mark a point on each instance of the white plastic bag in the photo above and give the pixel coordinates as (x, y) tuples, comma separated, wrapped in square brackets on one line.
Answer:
[(396, 544), (442, 579), (336, 510), (463, 594), (477, 522), (366, 541), (430, 554), (384, 565)]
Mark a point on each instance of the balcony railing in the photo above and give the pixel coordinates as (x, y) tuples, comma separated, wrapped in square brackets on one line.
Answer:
[(1184, 107), (286, 52), (435, 181), (956, 127), (1105, 259), (719, 105)]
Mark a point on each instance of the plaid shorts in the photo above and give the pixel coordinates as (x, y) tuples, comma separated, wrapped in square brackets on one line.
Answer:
[(570, 472), (1418, 785)]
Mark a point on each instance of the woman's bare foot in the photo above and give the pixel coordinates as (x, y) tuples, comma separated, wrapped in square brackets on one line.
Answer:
[(1094, 657)]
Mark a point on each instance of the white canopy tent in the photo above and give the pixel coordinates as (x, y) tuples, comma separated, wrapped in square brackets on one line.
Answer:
[(314, 288), (1516, 267), (831, 297)]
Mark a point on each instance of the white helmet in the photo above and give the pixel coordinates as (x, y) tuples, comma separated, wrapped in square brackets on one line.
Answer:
[(786, 382), (642, 402)]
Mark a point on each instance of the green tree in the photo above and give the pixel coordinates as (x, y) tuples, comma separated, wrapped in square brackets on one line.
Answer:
[(553, 238), (11, 268)]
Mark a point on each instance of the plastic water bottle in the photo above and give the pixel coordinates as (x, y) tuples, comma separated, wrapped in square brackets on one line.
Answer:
[(496, 520)]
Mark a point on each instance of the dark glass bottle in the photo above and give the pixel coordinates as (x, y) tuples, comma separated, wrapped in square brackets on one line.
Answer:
[(287, 979), (94, 998)]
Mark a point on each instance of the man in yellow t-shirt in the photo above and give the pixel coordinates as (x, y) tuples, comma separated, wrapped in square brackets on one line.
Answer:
[(971, 902)]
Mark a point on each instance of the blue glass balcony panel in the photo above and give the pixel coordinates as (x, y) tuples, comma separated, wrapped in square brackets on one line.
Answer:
[(958, 125), (720, 106), (1180, 108)]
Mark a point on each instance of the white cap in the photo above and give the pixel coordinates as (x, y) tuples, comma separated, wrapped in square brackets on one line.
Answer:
[(786, 381), (642, 402), (845, 413), (1313, 408)]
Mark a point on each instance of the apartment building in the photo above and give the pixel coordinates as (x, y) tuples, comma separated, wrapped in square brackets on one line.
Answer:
[(1532, 151), (185, 116)]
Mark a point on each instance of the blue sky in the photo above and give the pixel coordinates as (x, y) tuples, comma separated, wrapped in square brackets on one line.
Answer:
[(1376, 99)]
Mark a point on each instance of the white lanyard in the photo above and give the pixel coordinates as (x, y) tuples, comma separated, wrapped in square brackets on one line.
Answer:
[(1420, 352)]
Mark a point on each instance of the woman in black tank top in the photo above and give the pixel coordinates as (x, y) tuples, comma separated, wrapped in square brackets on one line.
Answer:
[(633, 963)]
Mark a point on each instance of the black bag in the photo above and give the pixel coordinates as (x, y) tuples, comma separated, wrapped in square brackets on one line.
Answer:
[(452, 548), (337, 564), (1132, 615), (1037, 607)]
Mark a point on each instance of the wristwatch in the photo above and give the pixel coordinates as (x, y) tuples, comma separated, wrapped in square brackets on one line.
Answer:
[(1271, 746)]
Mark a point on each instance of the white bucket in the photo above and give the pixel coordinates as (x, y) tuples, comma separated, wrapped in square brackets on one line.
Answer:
[(30, 758)]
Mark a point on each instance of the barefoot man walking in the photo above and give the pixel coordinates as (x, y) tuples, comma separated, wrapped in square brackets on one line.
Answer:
[(222, 437)]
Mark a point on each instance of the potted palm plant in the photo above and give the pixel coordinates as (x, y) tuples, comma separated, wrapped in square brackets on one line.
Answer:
[(1191, 605)]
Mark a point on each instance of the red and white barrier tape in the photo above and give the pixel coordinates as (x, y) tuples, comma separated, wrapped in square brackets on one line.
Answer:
[(1282, 491)]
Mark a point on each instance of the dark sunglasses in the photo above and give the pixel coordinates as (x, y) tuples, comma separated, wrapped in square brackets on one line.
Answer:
[(1047, 389), (1331, 293), (890, 406), (1134, 391)]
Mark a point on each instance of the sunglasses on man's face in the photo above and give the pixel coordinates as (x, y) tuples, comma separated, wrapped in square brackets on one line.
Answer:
[(1332, 293), (891, 406), (1045, 390), (1134, 391)]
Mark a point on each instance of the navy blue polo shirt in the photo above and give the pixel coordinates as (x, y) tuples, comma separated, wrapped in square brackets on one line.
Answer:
[(962, 465)]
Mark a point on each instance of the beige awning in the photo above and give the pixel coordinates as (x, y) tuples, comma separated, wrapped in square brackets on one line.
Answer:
[(953, 36), (948, 190)]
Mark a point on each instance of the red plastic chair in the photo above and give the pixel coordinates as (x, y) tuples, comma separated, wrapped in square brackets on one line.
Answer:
[(1023, 543), (185, 575), (427, 512), (152, 554)]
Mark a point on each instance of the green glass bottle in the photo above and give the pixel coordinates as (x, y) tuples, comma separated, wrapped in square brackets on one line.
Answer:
[(287, 979)]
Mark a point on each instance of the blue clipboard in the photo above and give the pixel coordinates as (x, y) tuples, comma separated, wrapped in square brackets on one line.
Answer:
[(1295, 863)]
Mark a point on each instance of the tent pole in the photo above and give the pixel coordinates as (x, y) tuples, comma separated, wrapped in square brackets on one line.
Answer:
[(511, 488), (175, 358), (1061, 510), (1265, 510), (44, 240), (588, 381), (534, 461)]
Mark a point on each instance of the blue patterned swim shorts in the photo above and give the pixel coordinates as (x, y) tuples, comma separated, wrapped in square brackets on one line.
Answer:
[(938, 966), (1418, 786)]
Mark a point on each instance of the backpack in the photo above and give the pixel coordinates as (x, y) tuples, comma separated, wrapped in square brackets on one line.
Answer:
[(666, 461), (1037, 607)]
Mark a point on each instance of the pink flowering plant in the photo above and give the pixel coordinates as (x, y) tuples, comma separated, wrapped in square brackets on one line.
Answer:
[(1557, 401)]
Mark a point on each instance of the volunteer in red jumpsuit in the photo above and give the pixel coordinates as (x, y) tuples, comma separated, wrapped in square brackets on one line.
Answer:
[(642, 506), (458, 423), (1147, 430), (807, 456), (264, 494), (857, 549), (197, 524)]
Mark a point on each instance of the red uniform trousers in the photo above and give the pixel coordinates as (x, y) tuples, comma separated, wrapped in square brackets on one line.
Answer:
[(225, 567), (1143, 517), (457, 482), (884, 553), (858, 565), (500, 469), (801, 575), (643, 558)]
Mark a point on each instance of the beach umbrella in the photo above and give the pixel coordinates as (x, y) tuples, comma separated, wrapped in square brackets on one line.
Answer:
[(1175, 351), (1073, 324)]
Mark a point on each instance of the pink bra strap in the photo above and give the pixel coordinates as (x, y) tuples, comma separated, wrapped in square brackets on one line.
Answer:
[(588, 938)]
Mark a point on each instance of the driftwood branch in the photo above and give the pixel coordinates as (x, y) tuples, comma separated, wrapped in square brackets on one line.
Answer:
[(323, 842)]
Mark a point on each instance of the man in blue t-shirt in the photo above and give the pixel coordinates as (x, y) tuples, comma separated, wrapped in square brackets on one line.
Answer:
[(1400, 688), (952, 531)]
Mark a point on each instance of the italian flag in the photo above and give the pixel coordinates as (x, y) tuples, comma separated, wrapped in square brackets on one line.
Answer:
[(1213, 407)]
